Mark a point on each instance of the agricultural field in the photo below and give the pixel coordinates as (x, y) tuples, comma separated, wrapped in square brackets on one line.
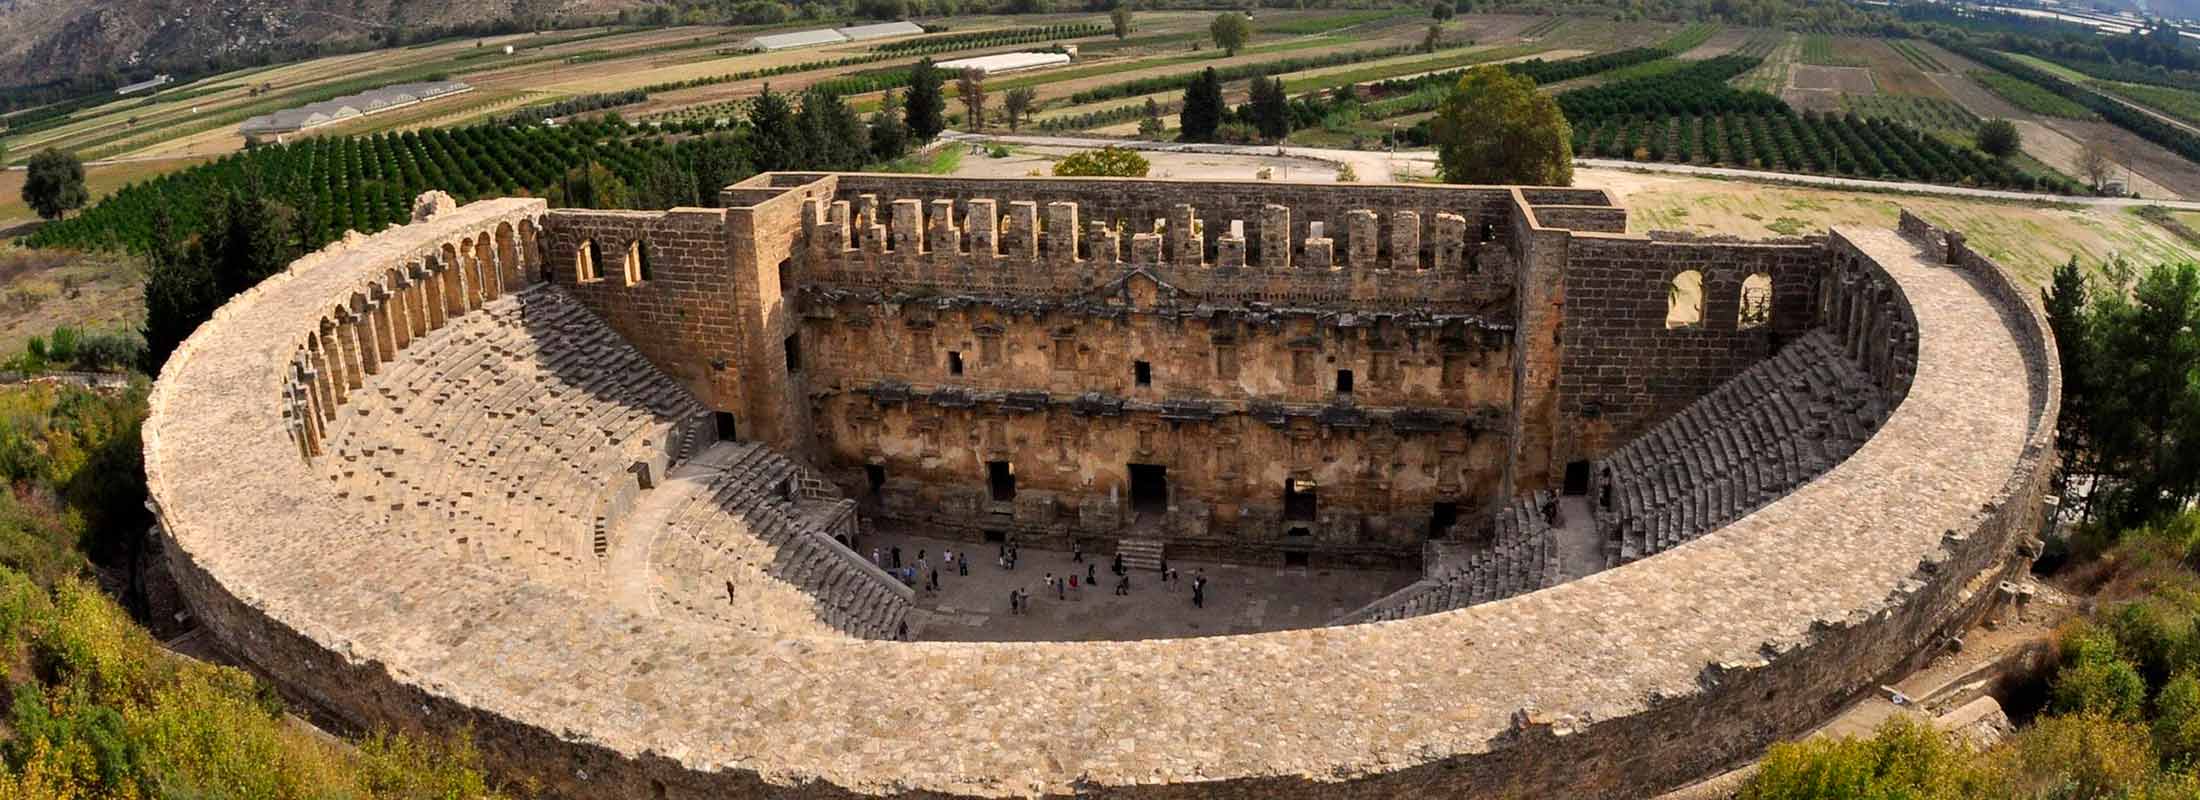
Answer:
[(1822, 50), (1933, 114), (2030, 97)]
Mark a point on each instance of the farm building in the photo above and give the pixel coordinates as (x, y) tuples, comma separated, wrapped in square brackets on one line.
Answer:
[(861, 33), (783, 41), (278, 126), (156, 82), (855, 33), (1006, 62)]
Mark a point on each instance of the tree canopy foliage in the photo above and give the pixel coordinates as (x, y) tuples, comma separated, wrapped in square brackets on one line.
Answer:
[(1230, 31), (55, 184), (1495, 128), (1106, 162), (1203, 109), (926, 103)]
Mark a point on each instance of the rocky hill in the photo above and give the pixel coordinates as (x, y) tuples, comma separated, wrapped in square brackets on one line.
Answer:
[(50, 41)]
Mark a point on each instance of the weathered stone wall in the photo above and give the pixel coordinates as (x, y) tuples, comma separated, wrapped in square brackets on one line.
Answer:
[(683, 316), (1625, 369)]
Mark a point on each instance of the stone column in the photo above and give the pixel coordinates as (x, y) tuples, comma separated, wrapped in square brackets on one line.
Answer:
[(1360, 238), (1146, 249), (1275, 237), (431, 297), (1102, 246), (941, 235), (344, 350), (983, 218), (329, 390), (1319, 252), (1450, 241), (1061, 234), (1187, 248), (386, 335), (363, 332), (906, 231), (1405, 240), (1021, 240)]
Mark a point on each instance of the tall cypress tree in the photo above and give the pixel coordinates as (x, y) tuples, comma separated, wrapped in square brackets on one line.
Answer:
[(926, 103), (2066, 302), (780, 144), (1271, 108), (1202, 113)]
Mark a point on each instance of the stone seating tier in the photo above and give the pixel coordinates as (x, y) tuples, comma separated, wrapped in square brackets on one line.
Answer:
[(1770, 429)]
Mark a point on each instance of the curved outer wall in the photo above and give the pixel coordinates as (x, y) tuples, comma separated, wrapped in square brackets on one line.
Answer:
[(1596, 688)]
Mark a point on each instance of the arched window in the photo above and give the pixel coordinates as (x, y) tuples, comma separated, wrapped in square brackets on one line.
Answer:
[(586, 269), (1684, 300), (1756, 306), (637, 262)]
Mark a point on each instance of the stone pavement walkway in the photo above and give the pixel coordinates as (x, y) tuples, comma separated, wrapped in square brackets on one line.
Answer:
[(1240, 599)]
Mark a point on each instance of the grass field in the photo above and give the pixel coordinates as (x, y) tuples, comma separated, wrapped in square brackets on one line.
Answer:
[(1925, 113), (1771, 75), (2030, 97), (1828, 51), (1909, 51), (2180, 103)]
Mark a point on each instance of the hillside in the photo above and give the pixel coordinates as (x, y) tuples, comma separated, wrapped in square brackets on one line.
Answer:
[(49, 41)]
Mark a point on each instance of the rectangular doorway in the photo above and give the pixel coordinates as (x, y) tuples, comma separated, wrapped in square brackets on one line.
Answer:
[(1002, 478), (1441, 517), (726, 430), (1149, 488), (1577, 478), (875, 476)]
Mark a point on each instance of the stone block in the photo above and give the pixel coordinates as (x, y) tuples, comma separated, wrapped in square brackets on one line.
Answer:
[(942, 237), (1101, 244), (1318, 253), (984, 221), (1020, 240), (1360, 238), (1186, 246), (1146, 249), (1061, 234), (1405, 240), (1275, 237)]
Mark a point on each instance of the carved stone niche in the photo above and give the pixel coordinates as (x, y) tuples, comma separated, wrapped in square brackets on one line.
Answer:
[(1036, 508)]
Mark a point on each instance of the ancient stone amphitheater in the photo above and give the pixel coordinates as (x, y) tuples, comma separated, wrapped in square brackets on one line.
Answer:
[(583, 482)]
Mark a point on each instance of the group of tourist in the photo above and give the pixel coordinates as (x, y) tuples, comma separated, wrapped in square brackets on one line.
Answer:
[(1069, 586)]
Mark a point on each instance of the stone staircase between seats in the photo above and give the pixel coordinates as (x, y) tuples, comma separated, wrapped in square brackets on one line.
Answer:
[(1518, 556), (1145, 554), (752, 547), (1772, 428)]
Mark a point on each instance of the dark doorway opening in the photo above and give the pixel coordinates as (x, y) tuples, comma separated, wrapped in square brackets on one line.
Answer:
[(1298, 500), (1143, 372), (1577, 478), (1296, 558), (954, 362), (1344, 381), (641, 476), (1441, 517), (727, 432), (1299, 533), (793, 345), (1149, 488), (1002, 477), (996, 537), (875, 476)]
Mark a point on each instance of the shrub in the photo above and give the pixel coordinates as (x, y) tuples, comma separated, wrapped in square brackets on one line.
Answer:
[(2109, 688), (1106, 162), (1905, 758), (2177, 721), (2076, 756)]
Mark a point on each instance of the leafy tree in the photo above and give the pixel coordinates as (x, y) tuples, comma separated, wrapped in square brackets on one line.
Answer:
[(1441, 11), (1230, 30), (1905, 758), (1495, 128), (1271, 108), (2177, 719), (2066, 302), (925, 104), (882, 9), (590, 186), (1120, 18), (971, 85), (2145, 410), (55, 185), (1202, 114), (1434, 38), (1999, 138), (1151, 126), (249, 238), (889, 136), (1016, 104), (1106, 162)]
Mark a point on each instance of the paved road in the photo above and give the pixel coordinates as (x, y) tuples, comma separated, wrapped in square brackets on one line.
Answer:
[(1382, 166)]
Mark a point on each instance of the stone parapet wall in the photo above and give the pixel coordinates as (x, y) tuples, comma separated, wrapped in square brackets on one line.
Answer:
[(1595, 688)]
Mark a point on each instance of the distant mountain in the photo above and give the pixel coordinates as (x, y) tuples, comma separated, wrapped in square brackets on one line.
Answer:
[(55, 41)]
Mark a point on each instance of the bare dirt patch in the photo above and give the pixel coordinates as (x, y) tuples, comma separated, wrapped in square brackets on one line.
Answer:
[(1847, 80), (42, 289), (2146, 158), (1726, 41), (2057, 150), (1892, 73)]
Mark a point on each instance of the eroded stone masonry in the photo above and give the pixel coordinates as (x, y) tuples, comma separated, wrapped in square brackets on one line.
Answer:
[(582, 481)]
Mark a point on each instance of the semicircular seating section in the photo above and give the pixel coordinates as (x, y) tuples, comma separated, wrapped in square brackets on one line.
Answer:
[(1774, 427), (1518, 556), (510, 435)]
